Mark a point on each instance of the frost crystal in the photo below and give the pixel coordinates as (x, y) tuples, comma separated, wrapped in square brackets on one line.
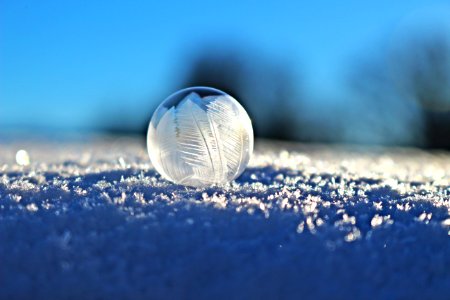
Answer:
[(199, 137), (302, 221)]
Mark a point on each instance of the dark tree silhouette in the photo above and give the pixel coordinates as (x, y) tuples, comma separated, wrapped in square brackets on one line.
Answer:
[(407, 89), (265, 88), (423, 73), (379, 114)]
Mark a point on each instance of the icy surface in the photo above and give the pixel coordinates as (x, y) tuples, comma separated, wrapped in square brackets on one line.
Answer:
[(94, 220)]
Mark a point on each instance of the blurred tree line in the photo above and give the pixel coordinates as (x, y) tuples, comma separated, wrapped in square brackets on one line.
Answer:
[(267, 89), (408, 89), (401, 97)]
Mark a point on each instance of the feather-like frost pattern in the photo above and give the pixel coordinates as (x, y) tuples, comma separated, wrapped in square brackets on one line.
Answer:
[(203, 141), (195, 141), (166, 137), (230, 133)]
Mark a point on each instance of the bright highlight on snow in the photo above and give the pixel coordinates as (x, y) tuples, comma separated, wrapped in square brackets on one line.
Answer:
[(22, 158), (200, 136)]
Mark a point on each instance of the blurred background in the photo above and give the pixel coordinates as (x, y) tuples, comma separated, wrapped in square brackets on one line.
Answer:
[(360, 72)]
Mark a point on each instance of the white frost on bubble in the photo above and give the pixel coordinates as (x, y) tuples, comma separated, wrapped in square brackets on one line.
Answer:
[(200, 141)]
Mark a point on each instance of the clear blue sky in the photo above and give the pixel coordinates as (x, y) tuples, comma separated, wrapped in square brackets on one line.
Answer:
[(61, 62)]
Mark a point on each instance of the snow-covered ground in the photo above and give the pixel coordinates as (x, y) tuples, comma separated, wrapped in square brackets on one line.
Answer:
[(92, 220)]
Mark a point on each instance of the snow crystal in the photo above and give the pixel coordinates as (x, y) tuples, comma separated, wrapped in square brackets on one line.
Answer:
[(94, 220)]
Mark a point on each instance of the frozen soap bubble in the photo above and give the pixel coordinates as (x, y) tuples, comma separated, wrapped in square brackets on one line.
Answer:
[(200, 136)]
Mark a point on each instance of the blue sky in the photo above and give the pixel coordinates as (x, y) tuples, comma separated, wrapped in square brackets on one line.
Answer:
[(61, 62)]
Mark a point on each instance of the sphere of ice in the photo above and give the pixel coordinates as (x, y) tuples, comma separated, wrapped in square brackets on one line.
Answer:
[(200, 136)]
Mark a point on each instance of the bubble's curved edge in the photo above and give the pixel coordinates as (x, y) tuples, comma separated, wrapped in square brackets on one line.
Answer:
[(152, 127)]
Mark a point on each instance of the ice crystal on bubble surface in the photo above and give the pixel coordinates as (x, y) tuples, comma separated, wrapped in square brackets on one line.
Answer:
[(200, 136)]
